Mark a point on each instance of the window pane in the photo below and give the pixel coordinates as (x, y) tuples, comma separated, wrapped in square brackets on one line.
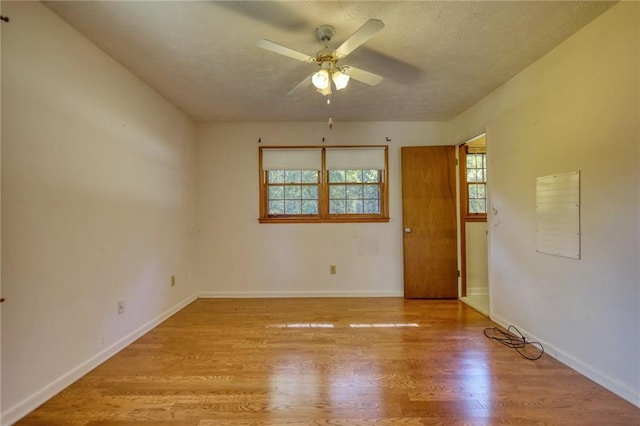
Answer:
[(276, 192), (474, 206), (292, 192), (481, 191), (353, 175), (354, 191), (337, 206), (336, 176), (309, 176), (309, 207), (355, 206), (293, 176), (370, 176), (371, 191), (337, 192), (477, 206), (276, 207), (293, 207), (473, 191), (371, 206), (309, 192), (472, 175), (275, 176), (471, 161)]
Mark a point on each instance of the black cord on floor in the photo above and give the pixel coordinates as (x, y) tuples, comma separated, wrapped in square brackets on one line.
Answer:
[(514, 339)]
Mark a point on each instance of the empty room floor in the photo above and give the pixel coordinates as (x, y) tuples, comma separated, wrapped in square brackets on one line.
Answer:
[(333, 361)]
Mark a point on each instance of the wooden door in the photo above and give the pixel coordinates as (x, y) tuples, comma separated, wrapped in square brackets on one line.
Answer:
[(429, 222)]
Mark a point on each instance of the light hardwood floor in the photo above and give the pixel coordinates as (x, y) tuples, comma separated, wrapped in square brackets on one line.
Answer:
[(340, 362)]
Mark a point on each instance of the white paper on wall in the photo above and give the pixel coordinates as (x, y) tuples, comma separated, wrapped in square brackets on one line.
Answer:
[(558, 214)]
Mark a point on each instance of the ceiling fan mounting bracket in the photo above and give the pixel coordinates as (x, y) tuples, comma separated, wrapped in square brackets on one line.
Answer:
[(325, 33)]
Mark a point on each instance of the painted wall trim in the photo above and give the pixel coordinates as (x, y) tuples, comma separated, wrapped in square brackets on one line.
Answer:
[(476, 291), (586, 370), (273, 294), (38, 398)]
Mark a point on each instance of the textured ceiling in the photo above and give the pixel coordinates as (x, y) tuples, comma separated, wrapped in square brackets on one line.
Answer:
[(438, 58)]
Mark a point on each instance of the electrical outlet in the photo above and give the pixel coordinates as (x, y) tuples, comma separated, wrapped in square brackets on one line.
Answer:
[(120, 307), (173, 280), (332, 269)]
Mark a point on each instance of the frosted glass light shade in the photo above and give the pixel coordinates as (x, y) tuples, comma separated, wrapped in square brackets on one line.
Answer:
[(340, 80), (326, 91), (321, 79)]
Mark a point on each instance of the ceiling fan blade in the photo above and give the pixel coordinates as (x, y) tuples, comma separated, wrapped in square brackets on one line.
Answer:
[(361, 75), (283, 50), (364, 33), (304, 83)]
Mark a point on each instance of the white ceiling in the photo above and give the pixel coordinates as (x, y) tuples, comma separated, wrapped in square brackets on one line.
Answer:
[(438, 58)]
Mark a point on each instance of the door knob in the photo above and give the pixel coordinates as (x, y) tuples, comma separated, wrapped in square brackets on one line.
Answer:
[(407, 230)]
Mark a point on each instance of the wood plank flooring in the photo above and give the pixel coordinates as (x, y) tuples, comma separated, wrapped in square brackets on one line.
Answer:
[(334, 361)]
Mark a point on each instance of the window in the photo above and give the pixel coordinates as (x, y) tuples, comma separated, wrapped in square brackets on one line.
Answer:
[(292, 192), (323, 184), (477, 182), (474, 173)]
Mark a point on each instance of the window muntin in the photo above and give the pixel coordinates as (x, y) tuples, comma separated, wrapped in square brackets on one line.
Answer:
[(348, 185)]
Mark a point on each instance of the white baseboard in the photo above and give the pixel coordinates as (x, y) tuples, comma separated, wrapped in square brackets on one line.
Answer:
[(477, 291), (620, 389), (283, 294), (38, 398)]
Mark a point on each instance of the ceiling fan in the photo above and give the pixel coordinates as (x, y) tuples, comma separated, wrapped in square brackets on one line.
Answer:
[(327, 59)]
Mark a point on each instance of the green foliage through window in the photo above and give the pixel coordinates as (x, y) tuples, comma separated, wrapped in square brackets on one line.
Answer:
[(292, 192), (354, 191)]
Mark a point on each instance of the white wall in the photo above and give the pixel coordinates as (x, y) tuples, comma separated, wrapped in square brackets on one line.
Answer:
[(476, 256), (237, 256), (574, 109), (98, 202), (0, 223)]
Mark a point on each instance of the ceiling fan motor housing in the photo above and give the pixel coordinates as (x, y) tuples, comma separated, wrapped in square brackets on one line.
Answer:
[(325, 32)]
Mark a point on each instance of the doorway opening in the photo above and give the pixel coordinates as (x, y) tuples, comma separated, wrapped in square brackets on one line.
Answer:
[(473, 206)]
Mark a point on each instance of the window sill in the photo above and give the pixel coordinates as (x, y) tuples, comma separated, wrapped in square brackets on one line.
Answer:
[(476, 218)]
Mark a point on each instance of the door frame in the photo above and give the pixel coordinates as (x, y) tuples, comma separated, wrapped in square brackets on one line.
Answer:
[(462, 220)]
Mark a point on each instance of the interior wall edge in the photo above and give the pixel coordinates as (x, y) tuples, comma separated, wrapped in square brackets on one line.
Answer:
[(586, 370), (24, 407)]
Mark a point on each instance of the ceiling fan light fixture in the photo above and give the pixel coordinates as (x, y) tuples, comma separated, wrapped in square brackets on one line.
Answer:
[(321, 79), (326, 91), (340, 79)]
